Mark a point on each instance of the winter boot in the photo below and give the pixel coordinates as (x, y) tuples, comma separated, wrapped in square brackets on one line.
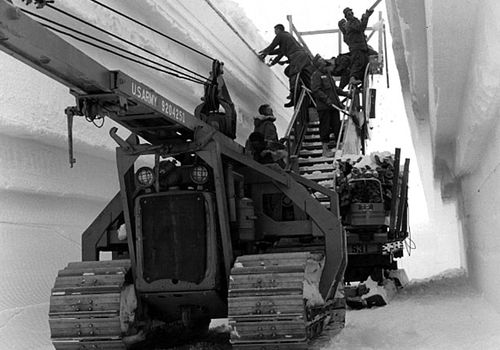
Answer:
[(326, 151)]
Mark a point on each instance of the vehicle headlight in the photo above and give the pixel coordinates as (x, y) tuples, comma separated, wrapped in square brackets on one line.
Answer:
[(145, 176), (199, 174)]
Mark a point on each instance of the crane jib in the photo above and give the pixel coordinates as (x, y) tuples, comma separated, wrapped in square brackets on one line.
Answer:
[(147, 96)]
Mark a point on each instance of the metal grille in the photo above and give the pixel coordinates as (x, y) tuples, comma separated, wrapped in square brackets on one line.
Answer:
[(174, 234)]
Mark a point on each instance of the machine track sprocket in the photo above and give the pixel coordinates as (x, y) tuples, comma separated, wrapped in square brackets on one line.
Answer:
[(269, 306), (90, 306)]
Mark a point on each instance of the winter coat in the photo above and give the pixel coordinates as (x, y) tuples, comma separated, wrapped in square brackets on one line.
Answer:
[(284, 44), (265, 125), (324, 90), (287, 45), (354, 32)]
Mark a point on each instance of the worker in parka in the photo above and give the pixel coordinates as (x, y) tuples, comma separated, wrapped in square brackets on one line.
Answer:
[(325, 93), (264, 123), (284, 44), (264, 139), (341, 64), (353, 30)]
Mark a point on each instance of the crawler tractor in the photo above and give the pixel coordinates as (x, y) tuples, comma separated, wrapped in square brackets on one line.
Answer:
[(198, 229)]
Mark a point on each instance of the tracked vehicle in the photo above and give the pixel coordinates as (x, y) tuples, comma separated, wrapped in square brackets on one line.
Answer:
[(198, 230)]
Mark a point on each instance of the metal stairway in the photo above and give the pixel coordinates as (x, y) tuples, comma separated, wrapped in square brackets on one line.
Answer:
[(369, 246), (312, 165)]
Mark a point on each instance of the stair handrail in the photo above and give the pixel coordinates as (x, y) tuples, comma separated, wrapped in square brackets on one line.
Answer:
[(297, 126), (295, 113)]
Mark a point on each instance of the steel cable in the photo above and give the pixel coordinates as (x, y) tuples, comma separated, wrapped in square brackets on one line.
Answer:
[(124, 40), (123, 56), (152, 29), (184, 75)]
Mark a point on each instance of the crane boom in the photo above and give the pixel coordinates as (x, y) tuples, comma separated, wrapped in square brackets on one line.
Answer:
[(31, 43), (98, 90)]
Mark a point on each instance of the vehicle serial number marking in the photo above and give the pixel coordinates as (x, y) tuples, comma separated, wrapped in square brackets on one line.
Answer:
[(151, 98)]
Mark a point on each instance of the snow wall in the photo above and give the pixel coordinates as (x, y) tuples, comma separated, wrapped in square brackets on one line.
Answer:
[(446, 53)]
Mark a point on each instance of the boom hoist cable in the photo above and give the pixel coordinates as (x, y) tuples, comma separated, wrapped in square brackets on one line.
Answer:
[(166, 70), (152, 29), (42, 3), (206, 81), (124, 40)]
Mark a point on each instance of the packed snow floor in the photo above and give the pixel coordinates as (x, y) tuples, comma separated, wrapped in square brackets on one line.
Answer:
[(443, 312)]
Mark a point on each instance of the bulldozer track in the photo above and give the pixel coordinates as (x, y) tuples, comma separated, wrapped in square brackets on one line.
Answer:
[(266, 305), (85, 306)]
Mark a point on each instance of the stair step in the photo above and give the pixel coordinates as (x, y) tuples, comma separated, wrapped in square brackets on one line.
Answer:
[(310, 152), (312, 145), (312, 130), (318, 176), (309, 137), (314, 160), (317, 167)]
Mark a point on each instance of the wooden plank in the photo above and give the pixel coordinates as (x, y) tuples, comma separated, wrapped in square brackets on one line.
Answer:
[(319, 176), (316, 167), (96, 264), (85, 290), (272, 262), (118, 270), (263, 292), (274, 269), (84, 303), (310, 137), (267, 318), (314, 160), (267, 345), (85, 327), (88, 284), (277, 331), (402, 197), (395, 191), (264, 281), (273, 259), (266, 305), (99, 344), (89, 281)]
